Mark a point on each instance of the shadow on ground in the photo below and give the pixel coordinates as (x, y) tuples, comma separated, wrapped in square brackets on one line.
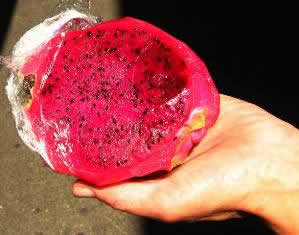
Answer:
[(7, 11), (234, 226)]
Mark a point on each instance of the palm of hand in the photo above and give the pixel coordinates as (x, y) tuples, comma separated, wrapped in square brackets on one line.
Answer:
[(231, 163)]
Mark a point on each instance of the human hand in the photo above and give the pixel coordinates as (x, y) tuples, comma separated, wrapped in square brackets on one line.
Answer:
[(248, 161)]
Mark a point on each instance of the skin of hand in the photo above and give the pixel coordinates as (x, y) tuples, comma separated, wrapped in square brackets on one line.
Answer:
[(248, 161)]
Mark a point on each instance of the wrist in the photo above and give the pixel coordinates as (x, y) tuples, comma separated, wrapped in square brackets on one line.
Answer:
[(278, 209), (276, 197)]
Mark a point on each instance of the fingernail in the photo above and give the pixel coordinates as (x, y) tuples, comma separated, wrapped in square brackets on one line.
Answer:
[(83, 192)]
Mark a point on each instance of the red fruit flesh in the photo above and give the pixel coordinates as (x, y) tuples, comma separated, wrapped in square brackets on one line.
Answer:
[(111, 102)]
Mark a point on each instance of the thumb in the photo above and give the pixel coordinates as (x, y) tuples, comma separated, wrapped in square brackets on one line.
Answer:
[(136, 197)]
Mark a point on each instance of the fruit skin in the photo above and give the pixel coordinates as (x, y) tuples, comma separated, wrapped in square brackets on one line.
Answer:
[(201, 111)]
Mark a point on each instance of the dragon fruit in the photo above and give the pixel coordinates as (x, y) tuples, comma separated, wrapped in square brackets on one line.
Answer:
[(111, 101)]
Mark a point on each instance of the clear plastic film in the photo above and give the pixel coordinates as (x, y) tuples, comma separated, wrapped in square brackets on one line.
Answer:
[(69, 15)]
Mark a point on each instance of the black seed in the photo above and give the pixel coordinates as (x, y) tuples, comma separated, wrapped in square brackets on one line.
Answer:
[(89, 34), (159, 59), (109, 51), (82, 118), (58, 97), (67, 109), (109, 142), (114, 120), (129, 65), (121, 94), (137, 51), (172, 120), (66, 68), (100, 33), (72, 100), (68, 119), (80, 125), (175, 138), (117, 84), (135, 105), (50, 89), (75, 38), (120, 58), (89, 129), (129, 140), (101, 69), (106, 108), (145, 111), (161, 122), (112, 50), (150, 85), (122, 127), (94, 105), (117, 163)]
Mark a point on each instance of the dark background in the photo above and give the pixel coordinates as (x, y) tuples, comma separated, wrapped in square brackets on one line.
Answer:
[(244, 49), (247, 47)]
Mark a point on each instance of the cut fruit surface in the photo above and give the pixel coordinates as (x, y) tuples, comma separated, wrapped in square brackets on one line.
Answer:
[(113, 101)]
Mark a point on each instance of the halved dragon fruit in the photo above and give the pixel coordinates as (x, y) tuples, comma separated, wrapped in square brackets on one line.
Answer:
[(111, 101)]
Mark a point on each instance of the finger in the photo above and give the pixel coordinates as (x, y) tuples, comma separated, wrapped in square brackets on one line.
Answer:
[(137, 197), (222, 216)]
